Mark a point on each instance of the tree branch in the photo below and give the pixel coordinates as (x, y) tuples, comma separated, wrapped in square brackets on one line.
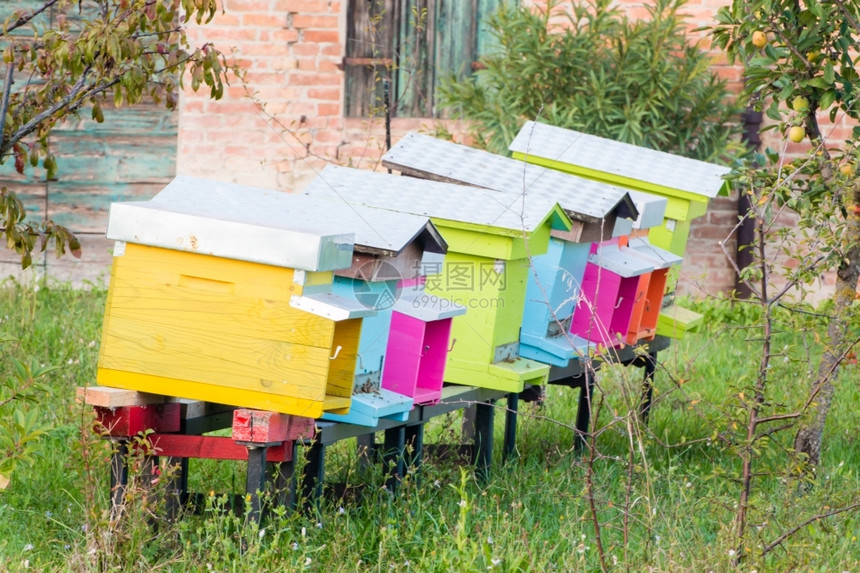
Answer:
[(26, 18), (4, 104), (800, 526), (848, 16)]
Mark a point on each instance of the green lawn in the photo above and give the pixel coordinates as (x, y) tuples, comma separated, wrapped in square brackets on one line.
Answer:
[(663, 497)]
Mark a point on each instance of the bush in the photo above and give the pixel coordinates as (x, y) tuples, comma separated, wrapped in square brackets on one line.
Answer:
[(592, 69)]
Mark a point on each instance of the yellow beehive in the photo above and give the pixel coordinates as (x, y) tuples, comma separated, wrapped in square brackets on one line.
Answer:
[(200, 322)]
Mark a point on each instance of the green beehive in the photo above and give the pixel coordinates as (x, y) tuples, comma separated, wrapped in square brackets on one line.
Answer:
[(686, 183), (490, 238)]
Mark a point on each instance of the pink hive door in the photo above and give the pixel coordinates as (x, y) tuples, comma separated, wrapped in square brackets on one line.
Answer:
[(634, 332), (431, 371), (415, 357), (622, 310), (592, 318), (403, 354)]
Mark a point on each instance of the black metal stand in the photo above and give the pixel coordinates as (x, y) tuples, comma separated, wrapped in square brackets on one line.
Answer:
[(510, 443), (483, 451), (650, 367)]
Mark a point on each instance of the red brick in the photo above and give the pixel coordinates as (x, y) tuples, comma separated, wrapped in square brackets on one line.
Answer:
[(305, 49), (332, 50), (303, 6), (326, 109), (313, 79), (321, 36), (325, 93), (307, 65), (264, 20), (249, 5), (306, 20)]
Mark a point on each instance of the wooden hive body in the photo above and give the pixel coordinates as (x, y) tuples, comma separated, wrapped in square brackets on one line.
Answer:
[(200, 321), (595, 209), (490, 238), (221, 330)]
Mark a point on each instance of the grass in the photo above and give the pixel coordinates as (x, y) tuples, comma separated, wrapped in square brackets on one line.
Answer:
[(665, 498)]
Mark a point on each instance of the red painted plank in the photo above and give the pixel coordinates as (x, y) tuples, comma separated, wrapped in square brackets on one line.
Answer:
[(130, 420), (265, 427), (213, 448)]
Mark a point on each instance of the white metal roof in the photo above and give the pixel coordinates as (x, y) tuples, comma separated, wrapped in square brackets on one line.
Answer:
[(620, 159), (433, 199), (429, 157)]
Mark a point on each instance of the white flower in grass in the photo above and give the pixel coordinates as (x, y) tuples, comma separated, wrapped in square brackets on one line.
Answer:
[(319, 524), (732, 553), (341, 510), (308, 562), (490, 540), (262, 533), (28, 547), (295, 546), (496, 561), (462, 503)]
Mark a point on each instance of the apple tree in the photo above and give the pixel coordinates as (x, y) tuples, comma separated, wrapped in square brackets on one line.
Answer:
[(65, 57), (799, 63)]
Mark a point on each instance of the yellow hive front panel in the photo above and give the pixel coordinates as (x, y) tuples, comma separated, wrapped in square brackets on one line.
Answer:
[(312, 407), (203, 320)]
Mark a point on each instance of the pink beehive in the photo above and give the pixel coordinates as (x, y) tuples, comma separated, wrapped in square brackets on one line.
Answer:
[(608, 295)]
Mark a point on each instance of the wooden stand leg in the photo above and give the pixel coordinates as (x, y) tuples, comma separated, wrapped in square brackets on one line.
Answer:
[(284, 484), (118, 475), (650, 368), (177, 489), (483, 452), (468, 427), (314, 476), (415, 439), (392, 456), (365, 446), (255, 482), (510, 443), (583, 411)]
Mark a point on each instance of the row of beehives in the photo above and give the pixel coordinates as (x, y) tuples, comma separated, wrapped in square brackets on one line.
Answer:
[(356, 299)]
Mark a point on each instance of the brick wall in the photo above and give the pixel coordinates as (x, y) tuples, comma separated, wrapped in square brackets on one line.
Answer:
[(281, 126)]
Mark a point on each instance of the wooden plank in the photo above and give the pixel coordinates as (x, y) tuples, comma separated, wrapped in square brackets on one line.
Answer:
[(213, 448), (370, 37), (310, 407), (262, 366), (266, 427), (127, 421), (106, 397)]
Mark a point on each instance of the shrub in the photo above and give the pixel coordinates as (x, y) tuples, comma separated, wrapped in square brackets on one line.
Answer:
[(593, 69)]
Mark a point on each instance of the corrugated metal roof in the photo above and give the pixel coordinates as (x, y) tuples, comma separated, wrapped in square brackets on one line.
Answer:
[(620, 159), (456, 203), (582, 199), (375, 230)]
